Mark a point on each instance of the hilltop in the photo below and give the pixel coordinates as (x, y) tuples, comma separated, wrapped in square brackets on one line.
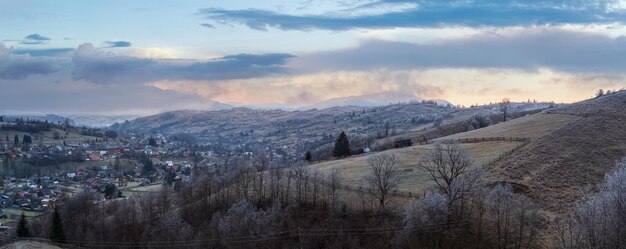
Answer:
[(294, 132)]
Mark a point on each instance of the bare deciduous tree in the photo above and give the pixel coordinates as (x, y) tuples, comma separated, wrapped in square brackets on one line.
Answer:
[(515, 218), (383, 177), (505, 106), (448, 165), (333, 180), (260, 165)]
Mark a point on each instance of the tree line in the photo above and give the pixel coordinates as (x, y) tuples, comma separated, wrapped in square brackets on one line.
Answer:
[(273, 203)]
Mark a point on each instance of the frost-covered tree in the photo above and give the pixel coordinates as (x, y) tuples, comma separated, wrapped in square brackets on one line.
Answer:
[(599, 220), (448, 164), (514, 219)]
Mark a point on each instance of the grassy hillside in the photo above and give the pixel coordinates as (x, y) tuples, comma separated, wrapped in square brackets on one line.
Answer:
[(531, 126), (47, 137), (571, 147), (354, 168), (554, 168)]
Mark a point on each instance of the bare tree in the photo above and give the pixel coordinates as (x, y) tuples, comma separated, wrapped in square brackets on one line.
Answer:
[(383, 177), (598, 221), (448, 165), (300, 173), (505, 106), (599, 93), (515, 218), (333, 180), (260, 165)]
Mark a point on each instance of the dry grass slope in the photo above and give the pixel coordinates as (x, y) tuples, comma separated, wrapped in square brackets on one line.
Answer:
[(354, 168), (531, 126), (554, 168)]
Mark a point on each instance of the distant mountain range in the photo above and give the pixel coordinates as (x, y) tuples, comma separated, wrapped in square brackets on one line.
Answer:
[(369, 100)]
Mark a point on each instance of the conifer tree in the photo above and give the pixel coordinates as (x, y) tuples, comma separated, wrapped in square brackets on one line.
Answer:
[(342, 146), (26, 139), (152, 142), (56, 230), (22, 227), (308, 157)]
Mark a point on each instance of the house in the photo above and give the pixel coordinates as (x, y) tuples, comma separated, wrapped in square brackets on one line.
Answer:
[(403, 143), (21, 203), (5, 145), (45, 202), (114, 151), (95, 156), (12, 154)]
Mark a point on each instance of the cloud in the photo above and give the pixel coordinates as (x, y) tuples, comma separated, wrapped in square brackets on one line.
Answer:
[(14, 66), (433, 13), (307, 89), (117, 44), (207, 25), (457, 85), (102, 68), (530, 49), (34, 39), (49, 52), (44, 95)]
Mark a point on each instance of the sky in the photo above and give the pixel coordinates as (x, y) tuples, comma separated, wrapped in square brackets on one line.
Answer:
[(143, 57)]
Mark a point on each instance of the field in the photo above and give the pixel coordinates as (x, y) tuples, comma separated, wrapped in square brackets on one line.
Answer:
[(25, 244), (47, 137), (13, 215), (531, 126), (353, 169), (17, 212), (133, 189)]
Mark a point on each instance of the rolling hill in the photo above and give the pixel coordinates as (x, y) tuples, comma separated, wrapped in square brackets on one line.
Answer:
[(297, 131), (555, 167), (571, 147)]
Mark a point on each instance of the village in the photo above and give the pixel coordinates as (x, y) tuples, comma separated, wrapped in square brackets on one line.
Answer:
[(39, 176)]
